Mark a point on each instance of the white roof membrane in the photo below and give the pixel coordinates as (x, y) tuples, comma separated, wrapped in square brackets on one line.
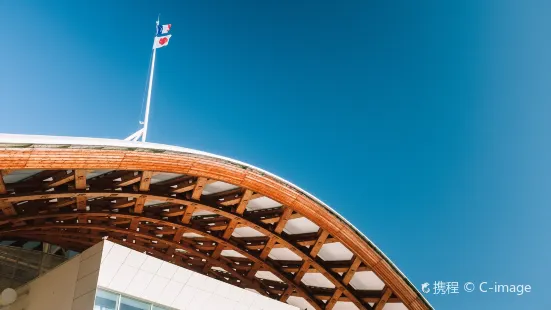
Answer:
[(335, 251), (317, 279), (217, 187), (18, 175), (160, 177), (246, 231), (395, 306), (262, 203), (300, 302), (283, 254), (231, 253), (345, 305), (267, 275), (300, 225), (366, 280)]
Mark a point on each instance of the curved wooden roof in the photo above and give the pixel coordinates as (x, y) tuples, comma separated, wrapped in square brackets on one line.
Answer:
[(210, 214)]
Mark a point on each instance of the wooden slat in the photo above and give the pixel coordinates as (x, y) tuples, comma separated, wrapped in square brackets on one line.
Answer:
[(188, 183), (140, 202), (268, 248), (3, 189), (80, 179), (178, 235), (350, 273), (285, 216), (387, 292), (61, 178), (185, 188), (335, 266), (244, 201), (129, 179), (134, 224), (286, 294), (254, 269), (123, 203), (333, 300), (60, 203), (319, 243), (80, 184), (230, 229), (198, 189), (6, 207), (81, 202), (145, 181), (276, 219), (301, 272), (186, 218)]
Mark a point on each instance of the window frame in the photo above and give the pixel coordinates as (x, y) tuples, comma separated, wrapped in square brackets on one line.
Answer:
[(120, 295)]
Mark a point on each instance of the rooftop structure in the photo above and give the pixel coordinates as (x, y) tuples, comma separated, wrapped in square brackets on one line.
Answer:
[(213, 215)]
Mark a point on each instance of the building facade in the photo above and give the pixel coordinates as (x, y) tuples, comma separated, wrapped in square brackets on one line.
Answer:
[(109, 276)]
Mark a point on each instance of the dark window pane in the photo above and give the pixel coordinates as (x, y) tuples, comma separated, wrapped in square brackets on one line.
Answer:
[(105, 300), (132, 304)]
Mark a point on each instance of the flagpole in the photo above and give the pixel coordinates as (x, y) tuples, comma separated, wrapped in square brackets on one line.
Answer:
[(146, 120)]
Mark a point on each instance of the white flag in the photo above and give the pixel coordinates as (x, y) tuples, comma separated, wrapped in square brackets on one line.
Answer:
[(161, 41)]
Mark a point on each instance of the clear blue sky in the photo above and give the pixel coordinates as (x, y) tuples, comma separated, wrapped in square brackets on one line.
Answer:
[(425, 124)]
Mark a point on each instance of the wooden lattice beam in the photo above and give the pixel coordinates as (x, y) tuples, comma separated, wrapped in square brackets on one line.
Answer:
[(59, 205)]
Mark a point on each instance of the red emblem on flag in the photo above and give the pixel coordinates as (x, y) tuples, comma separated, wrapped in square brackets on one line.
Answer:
[(163, 41)]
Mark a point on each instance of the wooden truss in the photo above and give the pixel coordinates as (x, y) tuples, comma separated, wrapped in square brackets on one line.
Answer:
[(61, 206)]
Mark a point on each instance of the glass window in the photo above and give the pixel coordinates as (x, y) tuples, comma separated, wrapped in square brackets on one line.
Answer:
[(105, 300), (132, 304)]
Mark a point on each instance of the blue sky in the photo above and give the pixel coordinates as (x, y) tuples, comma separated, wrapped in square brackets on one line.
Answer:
[(426, 124)]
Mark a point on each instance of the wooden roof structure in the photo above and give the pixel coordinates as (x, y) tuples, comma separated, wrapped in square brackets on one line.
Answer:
[(210, 214)]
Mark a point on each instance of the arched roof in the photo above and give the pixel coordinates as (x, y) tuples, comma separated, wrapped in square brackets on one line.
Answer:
[(211, 214)]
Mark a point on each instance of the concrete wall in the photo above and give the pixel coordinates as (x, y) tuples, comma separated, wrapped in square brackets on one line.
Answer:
[(137, 274), (70, 286)]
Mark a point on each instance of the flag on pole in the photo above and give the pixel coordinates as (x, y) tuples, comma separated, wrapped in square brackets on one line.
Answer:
[(162, 29), (161, 41)]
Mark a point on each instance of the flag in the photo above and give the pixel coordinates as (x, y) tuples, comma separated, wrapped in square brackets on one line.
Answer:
[(161, 41), (162, 29)]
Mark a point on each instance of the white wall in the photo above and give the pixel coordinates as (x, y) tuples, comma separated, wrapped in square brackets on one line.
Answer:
[(70, 286), (136, 274)]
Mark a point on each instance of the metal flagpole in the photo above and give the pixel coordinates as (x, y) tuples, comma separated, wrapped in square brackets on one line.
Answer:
[(146, 120)]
